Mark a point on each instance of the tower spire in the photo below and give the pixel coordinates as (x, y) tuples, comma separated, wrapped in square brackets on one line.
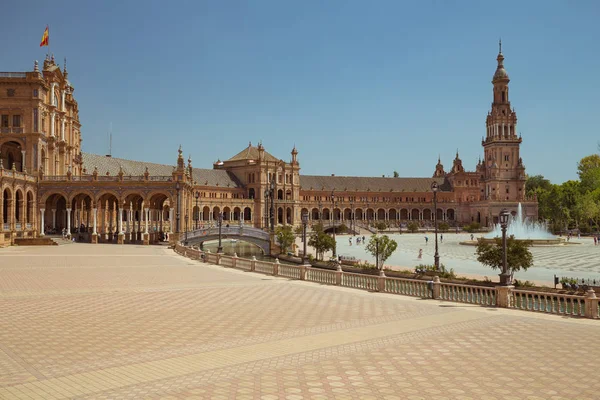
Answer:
[(500, 46)]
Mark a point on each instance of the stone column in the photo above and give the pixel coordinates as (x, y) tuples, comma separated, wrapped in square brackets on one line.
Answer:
[(54, 218), (51, 123), (146, 217), (503, 296), (68, 222), (171, 220), (42, 210), (95, 215)]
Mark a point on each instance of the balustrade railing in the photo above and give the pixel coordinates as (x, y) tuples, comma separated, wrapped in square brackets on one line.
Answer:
[(28, 225), (321, 276), (359, 281), (551, 303), (18, 226), (407, 287), (468, 294), (6, 227), (264, 267)]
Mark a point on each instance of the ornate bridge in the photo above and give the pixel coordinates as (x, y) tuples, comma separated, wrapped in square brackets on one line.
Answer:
[(244, 233)]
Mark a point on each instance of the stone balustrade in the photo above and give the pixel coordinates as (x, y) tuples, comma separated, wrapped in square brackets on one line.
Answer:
[(500, 296)]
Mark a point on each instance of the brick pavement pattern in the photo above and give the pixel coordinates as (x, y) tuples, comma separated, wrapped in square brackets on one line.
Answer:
[(132, 322)]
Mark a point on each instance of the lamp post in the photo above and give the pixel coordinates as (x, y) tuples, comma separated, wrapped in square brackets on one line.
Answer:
[(267, 208), (436, 257), (197, 209), (272, 194), (220, 222), (504, 276), (304, 223), (333, 209), (178, 188), (186, 227), (352, 223)]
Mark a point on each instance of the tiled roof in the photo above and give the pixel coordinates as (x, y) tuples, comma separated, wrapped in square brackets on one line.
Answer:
[(251, 153), (208, 177), (359, 183)]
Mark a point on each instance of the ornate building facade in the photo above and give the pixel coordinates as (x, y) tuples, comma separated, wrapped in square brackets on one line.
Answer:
[(47, 184)]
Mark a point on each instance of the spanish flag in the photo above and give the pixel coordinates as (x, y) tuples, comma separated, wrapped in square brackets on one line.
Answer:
[(45, 38)]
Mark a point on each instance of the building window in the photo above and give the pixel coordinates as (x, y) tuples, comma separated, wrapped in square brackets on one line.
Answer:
[(35, 93), (35, 120), (16, 122), (506, 157), (4, 121)]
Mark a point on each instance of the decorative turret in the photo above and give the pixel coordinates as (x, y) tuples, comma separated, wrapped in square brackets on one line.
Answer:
[(457, 164), (439, 169), (261, 152), (180, 161), (65, 72), (189, 166), (294, 155)]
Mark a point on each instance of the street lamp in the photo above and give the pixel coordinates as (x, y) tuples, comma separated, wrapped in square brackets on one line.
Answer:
[(504, 276), (220, 222), (436, 257), (352, 222), (186, 227), (178, 188), (333, 209), (197, 209), (272, 194), (304, 223)]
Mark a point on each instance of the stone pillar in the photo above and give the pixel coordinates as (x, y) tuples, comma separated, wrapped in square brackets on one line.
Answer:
[(69, 223), (381, 281), (171, 212), (42, 210), (51, 126), (591, 304), (54, 218), (95, 215), (503, 294), (436, 287), (146, 234), (276, 267)]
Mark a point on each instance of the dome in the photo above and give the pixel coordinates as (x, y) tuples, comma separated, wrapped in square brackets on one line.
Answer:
[(501, 74)]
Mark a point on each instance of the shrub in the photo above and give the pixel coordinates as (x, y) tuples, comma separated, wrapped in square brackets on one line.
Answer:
[(443, 227), (519, 283), (365, 265), (431, 270), (381, 226), (472, 227), (412, 227), (341, 229)]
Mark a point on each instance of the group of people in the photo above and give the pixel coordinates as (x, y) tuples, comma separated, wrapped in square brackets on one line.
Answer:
[(359, 240)]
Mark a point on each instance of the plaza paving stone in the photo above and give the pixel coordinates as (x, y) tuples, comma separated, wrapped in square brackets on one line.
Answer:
[(132, 322)]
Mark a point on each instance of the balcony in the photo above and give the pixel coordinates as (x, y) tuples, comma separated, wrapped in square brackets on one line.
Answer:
[(12, 130)]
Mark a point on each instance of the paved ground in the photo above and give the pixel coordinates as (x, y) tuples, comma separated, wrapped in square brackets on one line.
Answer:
[(112, 322)]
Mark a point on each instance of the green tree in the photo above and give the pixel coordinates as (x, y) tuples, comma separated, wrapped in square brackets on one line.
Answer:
[(412, 227), (537, 183), (396, 174), (381, 226), (588, 170), (285, 237), (381, 247), (342, 228), (443, 227), (320, 241), (518, 256)]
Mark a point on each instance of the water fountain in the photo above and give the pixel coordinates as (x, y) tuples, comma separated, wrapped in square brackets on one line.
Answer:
[(522, 229)]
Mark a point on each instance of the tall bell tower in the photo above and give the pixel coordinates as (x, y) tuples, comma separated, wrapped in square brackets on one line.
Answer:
[(504, 172)]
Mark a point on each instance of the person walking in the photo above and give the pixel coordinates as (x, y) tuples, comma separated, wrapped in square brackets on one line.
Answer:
[(441, 238), (426, 240), (420, 254)]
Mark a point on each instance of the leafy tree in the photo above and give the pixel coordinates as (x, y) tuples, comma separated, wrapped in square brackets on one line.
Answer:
[(320, 241), (412, 227), (285, 237), (443, 227), (341, 229), (518, 256), (381, 247), (588, 170), (381, 226), (396, 174), (536, 184)]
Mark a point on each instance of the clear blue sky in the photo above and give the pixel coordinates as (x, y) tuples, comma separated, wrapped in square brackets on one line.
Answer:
[(362, 88)]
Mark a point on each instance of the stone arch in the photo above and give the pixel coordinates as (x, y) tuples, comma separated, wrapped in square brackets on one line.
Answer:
[(251, 193), (303, 211), (347, 214), (289, 216), (358, 214), (56, 205), (226, 213), (205, 213), (288, 194), (215, 213), (10, 152), (326, 215), (19, 205), (439, 214), (29, 206), (6, 205), (427, 214), (414, 214), (337, 214), (314, 214), (370, 214), (247, 214), (237, 214), (107, 221), (280, 215), (46, 196), (393, 214), (451, 215), (44, 159), (280, 194), (381, 214), (404, 214)]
